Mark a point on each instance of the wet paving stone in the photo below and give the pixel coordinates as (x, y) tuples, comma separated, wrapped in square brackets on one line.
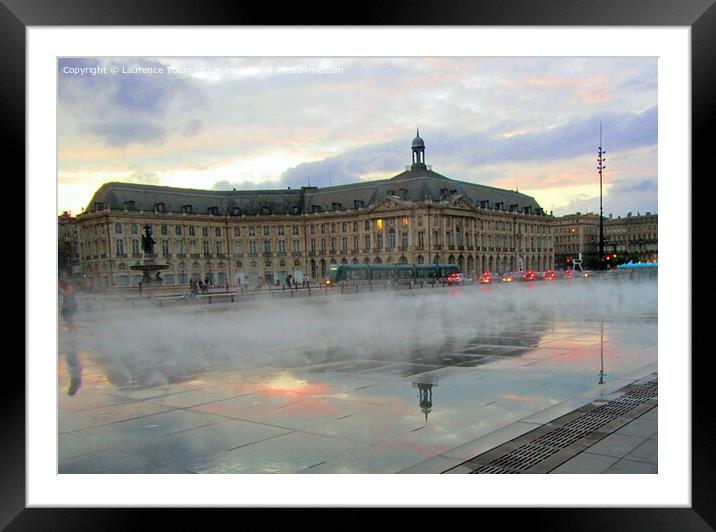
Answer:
[(410, 406)]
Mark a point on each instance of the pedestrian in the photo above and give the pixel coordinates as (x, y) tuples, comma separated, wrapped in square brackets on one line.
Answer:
[(69, 305), (140, 288)]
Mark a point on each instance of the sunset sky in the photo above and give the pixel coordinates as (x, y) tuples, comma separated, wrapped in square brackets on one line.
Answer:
[(530, 124)]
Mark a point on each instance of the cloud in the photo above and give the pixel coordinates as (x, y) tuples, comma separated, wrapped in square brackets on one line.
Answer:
[(125, 108), (621, 197)]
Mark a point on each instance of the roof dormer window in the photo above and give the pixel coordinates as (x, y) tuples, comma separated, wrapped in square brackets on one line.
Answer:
[(186, 209), (214, 211), (159, 207), (130, 205)]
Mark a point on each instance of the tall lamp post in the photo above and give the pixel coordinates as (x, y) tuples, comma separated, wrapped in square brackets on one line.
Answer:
[(601, 166)]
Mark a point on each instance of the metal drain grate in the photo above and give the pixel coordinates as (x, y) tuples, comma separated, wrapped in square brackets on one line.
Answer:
[(524, 457), (493, 470), (532, 453)]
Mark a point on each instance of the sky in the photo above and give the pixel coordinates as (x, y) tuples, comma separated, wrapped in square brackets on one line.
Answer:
[(528, 124)]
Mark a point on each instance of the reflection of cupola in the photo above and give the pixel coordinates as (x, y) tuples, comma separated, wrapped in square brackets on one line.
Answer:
[(418, 148), (425, 396)]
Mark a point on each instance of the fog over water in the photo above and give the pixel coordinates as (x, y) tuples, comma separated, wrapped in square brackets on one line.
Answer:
[(158, 344)]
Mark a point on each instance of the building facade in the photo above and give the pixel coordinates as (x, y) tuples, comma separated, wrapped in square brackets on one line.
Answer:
[(417, 216), (575, 234), (67, 245), (635, 237)]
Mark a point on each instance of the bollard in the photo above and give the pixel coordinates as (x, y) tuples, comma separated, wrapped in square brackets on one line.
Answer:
[(291, 293), (209, 300), (232, 298)]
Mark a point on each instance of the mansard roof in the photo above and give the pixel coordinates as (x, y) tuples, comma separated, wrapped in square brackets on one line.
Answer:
[(417, 183)]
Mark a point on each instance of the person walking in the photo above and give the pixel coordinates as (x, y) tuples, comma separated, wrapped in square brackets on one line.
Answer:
[(69, 305)]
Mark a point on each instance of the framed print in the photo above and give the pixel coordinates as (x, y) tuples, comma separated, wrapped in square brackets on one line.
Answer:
[(297, 264)]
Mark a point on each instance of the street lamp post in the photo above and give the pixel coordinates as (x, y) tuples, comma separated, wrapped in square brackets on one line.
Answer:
[(601, 166)]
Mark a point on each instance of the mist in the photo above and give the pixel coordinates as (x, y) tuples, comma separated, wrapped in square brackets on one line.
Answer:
[(153, 346)]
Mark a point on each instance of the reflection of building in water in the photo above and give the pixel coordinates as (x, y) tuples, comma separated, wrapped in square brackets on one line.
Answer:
[(425, 395)]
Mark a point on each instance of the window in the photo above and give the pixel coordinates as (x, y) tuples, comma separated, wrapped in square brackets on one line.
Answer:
[(391, 239), (267, 246), (252, 247), (379, 224), (296, 246), (344, 227), (252, 231), (282, 246), (367, 225), (164, 229), (165, 247), (120, 248), (219, 248), (118, 229), (295, 230), (192, 231), (237, 231), (177, 230), (205, 231), (135, 247), (421, 239), (267, 230), (206, 248), (135, 229), (366, 242), (280, 230), (217, 231), (180, 247)]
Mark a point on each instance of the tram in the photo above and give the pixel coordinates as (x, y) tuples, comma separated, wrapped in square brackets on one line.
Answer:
[(389, 274)]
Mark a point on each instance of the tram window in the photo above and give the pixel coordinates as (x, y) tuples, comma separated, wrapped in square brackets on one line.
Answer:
[(358, 274), (405, 273)]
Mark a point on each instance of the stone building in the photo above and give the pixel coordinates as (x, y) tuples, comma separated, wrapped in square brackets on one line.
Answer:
[(574, 234), (636, 237), (416, 216), (67, 245)]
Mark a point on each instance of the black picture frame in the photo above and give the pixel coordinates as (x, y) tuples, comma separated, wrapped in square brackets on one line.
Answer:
[(699, 15)]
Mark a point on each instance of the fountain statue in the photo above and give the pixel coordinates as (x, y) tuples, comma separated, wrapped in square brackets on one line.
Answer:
[(149, 265)]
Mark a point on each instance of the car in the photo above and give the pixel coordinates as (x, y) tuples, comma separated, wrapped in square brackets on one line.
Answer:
[(507, 277), (568, 274), (529, 276), (549, 275), (486, 278), (586, 273), (459, 279)]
